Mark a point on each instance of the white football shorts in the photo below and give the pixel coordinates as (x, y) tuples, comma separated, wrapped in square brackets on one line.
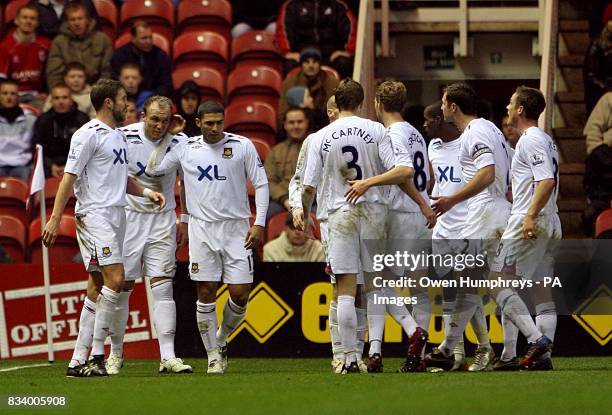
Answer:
[(100, 234)]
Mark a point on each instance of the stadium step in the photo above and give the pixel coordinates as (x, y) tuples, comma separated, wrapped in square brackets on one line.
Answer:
[(570, 211), (571, 105), (570, 181), (571, 144)]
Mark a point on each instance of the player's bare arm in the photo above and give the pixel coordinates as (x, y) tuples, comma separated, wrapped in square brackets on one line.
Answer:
[(543, 191), (61, 198), (396, 175), (483, 178), (134, 188), (410, 189), (308, 195), (182, 236)]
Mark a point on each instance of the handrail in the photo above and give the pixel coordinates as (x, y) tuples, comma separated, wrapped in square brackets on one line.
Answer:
[(363, 71), (548, 68)]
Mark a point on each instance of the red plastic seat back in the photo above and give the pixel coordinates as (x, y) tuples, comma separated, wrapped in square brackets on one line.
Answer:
[(13, 237), (159, 14), (249, 84), (603, 223), (262, 147), (207, 49), (257, 47), (13, 194), (210, 81), (205, 15), (107, 16), (65, 247)]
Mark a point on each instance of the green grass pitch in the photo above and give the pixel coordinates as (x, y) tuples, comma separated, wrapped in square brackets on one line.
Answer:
[(307, 386)]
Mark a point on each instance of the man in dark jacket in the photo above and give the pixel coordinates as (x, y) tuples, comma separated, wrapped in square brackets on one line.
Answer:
[(154, 63), (187, 103), (51, 15), (598, 64), (328, 24), (53, 129)]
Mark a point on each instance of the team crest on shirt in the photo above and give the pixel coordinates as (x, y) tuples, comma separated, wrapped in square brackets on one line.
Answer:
[(106, 252), (227, 153), (537, 159), (195, 268)]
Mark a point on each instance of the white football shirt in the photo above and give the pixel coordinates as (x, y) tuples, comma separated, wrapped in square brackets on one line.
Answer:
[(410, 150), (536, 158), (349, 148), (215, 176), (98, 157), (482, 145), (449, 180)]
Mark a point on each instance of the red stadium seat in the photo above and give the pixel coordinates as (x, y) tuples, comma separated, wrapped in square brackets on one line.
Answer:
[(9, 14), (107, 16), (13, 194), (256, 48), (209, 80), (65, 247), (603, 223), (205, 16), (256, 120), (159, 14), (51, 187), (262, 147), (326, 68), (207, 49), (250, 84), (276, 224), (159, 40), (13, 237)]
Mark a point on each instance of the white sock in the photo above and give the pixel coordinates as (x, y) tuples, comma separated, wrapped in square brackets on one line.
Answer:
[(233, 314), (119, 324), (465, 306), (479, 324), (510, 338), (206, 316), (546, 320), (421, 311), (104, 317), (400, 313), (85, 337), (448, 308), (376, 322), (333, 331), (516, 310), (361, 330), (347, 323), (164, 317)]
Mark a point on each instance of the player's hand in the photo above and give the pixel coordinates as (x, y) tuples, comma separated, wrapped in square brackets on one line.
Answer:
[(50, 232), (358, 188), (158, 199), (298, 218), (430, 215), (528, 228), (177, 124), (182, 234), (442, 205), (254, 237)]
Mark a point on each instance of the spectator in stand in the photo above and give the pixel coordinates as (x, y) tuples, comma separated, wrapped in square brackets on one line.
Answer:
[(54, 129), (598, 64), (132, 115), (154, 63), (79, 41), (299, 96), (75, 79), (187, 104), (15, 133), (510, 132), (280, 163), (293, 245), (23, 56), (51, 15), (131, 79), (328, 24), (250, 15), (320, 83), (598, 166)]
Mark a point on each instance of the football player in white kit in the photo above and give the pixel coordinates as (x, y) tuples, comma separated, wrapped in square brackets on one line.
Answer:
[(408, 225), (528, 242), (97, 167), (443, 149), (349, 148), (150, 236), (216, 167)]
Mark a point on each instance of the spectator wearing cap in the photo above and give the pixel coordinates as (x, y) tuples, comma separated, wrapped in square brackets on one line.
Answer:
[(187, 103), (79, 41), (598, 63), (320, 84), (154, 63), (328, 24), (23, 56), (51, 13), (15, 133), (293, 245)]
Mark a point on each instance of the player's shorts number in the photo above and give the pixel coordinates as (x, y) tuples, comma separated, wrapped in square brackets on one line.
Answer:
[(353, 163), (420, 177)]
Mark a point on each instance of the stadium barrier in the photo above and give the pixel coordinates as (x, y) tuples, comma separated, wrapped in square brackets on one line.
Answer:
[(287, 316)]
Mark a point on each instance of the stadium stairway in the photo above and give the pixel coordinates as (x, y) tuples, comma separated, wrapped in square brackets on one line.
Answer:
[(573, 44)]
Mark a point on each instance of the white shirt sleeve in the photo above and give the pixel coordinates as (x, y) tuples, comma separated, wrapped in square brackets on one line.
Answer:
[(385, 148), (257, 175), (82, 148), (170, 163), (314, 165), (538, 158), (401, 151), (295, 184), (479, 146)]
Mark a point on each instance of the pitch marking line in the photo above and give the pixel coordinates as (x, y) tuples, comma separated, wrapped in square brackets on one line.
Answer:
[(10, 369)]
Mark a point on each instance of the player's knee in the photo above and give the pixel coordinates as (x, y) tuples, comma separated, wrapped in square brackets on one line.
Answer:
[(93, 292), (127, 286), (207, 292), (162, 290)]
